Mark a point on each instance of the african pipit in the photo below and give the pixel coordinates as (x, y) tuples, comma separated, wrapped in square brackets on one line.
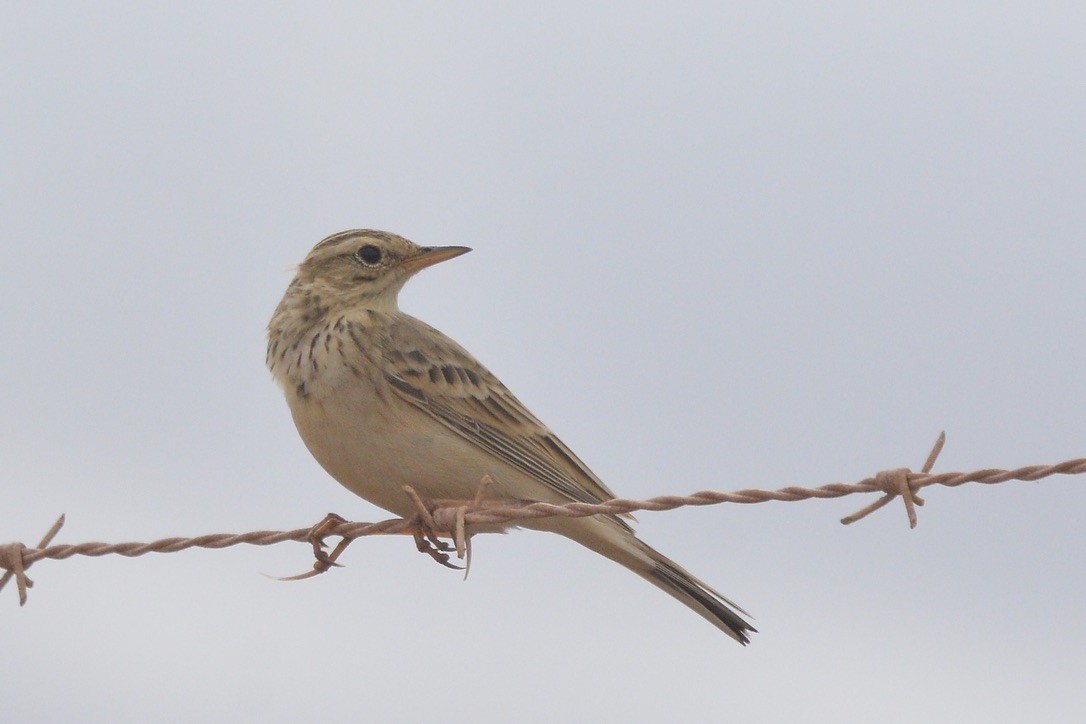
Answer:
[(383, 400)]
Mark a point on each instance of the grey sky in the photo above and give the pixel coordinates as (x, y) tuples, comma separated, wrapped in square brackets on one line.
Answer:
[(714, 248)]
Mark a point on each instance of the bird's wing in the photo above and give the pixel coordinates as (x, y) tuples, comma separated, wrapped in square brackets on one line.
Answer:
[(439, 377)]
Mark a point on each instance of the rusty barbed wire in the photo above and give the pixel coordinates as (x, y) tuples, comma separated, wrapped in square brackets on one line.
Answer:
[(453, 519)]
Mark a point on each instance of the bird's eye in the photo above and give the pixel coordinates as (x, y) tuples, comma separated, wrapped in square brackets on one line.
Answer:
[(369, 254)]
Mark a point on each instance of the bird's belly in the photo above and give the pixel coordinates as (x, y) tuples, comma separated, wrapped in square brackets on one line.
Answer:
[(374, 449)]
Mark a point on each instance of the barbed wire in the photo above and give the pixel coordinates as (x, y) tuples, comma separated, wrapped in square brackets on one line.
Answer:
[(453, 519)]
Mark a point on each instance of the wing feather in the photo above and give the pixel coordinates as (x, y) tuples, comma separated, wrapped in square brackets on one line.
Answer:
[(438, 376)]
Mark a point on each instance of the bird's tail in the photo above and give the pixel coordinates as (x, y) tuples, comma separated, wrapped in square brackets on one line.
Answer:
[(616, 542)]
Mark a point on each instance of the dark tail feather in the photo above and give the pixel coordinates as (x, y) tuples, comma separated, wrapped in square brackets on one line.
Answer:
[(619, 544), (718, 610)]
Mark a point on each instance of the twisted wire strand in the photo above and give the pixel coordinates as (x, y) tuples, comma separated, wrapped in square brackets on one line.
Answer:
[(444, 518)]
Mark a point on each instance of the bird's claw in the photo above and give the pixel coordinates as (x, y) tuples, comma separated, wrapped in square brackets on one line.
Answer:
[(428, 542), (322, 560)]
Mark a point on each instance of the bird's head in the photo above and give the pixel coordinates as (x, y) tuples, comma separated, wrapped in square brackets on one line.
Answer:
[(365, 268)]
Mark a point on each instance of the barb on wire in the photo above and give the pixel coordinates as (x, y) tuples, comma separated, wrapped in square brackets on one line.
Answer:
[(896, 482), (13, 560), (455, 519)]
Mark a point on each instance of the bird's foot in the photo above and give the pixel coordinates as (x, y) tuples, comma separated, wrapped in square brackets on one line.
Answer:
[(424, 528), (426, 537), (323, 561)]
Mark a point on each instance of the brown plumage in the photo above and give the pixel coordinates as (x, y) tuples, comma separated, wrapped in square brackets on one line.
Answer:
[(381, 400)]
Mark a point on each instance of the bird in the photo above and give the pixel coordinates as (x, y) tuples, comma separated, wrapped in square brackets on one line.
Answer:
[(383, 400)]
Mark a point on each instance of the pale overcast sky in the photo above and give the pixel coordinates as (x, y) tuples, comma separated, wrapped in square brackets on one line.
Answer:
[(758, 246)]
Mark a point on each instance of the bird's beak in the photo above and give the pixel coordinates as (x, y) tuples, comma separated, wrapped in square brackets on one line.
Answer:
[(430, 255)]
